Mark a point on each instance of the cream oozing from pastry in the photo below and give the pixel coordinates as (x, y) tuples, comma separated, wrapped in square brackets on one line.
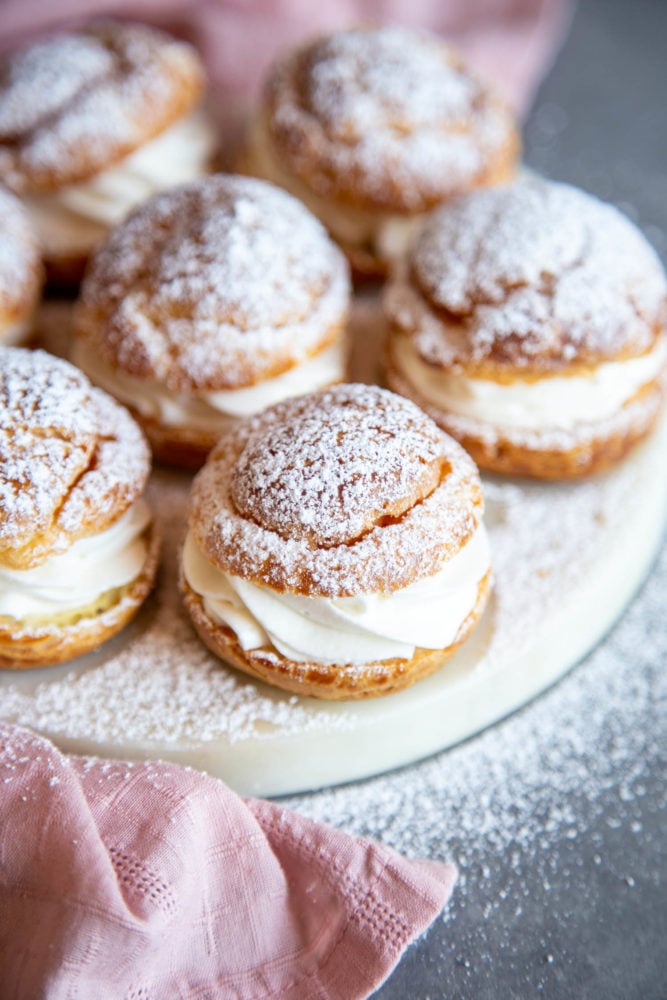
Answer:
[(388, 234), (212, 411), (74, 219), (92, 566), (355, 630), (549, 403)]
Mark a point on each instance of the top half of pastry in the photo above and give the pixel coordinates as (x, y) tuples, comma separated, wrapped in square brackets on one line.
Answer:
[(533, 279), (72, 461), (93, 122), (349, 490), (372, 127), (534, 313), (209, 303), (214, 286), (20, 270)]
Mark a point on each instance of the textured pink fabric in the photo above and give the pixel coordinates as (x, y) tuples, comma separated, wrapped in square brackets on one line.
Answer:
[(154, 882), (511, 42)]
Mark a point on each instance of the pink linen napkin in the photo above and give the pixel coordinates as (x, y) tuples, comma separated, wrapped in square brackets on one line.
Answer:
[(511, 42), (155, 882)]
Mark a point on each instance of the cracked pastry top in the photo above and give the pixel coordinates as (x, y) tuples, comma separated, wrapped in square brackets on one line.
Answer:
[(209, 303), (91, 123), (20, 271), (77, 548), (529, 322), (374, 126), (336, 545)]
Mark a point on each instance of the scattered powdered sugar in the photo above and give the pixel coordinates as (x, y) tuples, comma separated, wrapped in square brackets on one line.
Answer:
[(213, 285), (540, 273), (548, 772), (389, 112)]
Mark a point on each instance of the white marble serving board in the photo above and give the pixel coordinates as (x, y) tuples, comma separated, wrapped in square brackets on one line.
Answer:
[(567, 559)]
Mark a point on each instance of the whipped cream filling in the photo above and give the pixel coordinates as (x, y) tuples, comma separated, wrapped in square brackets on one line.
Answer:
[(388, 234), (75, 578), (74, 219), (343, 630), (212, 411), (549, 403)]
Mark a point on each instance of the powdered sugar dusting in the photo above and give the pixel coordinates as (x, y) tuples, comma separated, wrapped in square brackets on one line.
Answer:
[(71, 459), (363, 79), (540, 274), (331, 465), (19, 256), (281, 546), (72, 104), (387, 113), (211, 286)]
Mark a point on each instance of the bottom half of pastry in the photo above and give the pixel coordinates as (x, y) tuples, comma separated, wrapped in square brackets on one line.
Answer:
[(544, 436), (338, 648), (48, 622)]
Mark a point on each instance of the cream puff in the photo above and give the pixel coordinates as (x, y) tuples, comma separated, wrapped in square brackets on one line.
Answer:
[(335, 545), (209, 303), (529, 322), (94, 122), (374, 126), (78, 551), (20, 271)]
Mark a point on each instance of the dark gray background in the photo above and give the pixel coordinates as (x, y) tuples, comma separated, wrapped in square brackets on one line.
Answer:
[(599, 121)]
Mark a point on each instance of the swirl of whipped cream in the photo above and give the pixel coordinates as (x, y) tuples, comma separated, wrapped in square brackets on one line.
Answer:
[(548, 403), (75, 578), (77, 217), (361, 629), (212, 411)]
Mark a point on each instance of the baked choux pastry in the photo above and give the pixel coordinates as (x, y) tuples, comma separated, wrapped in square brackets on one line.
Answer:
[(529, 323), (20, 271), (374, 126), (94, 122), (335, 545), (78, 551), (209, 303)]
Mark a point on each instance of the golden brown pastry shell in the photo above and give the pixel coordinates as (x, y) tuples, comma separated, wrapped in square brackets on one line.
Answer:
[(330, 682), (153, 80), (305, 147), (238, 352), (395, 541)]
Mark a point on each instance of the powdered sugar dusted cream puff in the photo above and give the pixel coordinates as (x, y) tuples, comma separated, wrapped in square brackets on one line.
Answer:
[(209, 303), (94, 122), (77, 549), (335, 545), (20, 271), (371, 128), (529, 323)]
